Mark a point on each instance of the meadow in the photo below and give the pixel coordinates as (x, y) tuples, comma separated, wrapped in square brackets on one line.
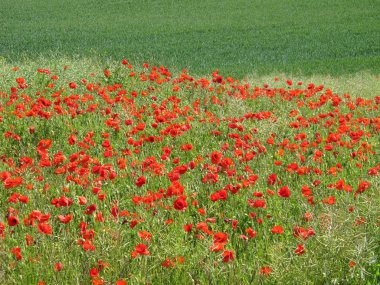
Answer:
[(213, 142)]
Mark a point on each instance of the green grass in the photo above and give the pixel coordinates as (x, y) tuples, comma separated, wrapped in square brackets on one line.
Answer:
[(237, 37)]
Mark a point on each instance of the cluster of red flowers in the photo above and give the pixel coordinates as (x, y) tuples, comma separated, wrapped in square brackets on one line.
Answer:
[(140, 151)]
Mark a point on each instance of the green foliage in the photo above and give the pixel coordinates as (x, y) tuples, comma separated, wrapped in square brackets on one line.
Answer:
[(238, 37)]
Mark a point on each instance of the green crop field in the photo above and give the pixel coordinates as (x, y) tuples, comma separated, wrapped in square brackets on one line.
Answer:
[(189, 142), (237, 37)]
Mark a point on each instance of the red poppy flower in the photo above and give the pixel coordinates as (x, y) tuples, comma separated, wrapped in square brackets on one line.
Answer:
[(140, 181), (94, 272), (364, 185), (29, 240), (202, 211), (44, 144), (216, 157), (13, 221), (167, 263), (82, 200), (97, 281), (300, 249), (329, 200), (72, 139), (107, 73), (306, 191), (186, 147), (257, 203), (277, 230), (45, 229), (228, 255), (12, 182), (58, 266), (90, 209), (220, 237), (284, 192), (272, 179), (145, 235), (217, 247), (20, 80), (265, 270), (300, 232), (251, 233), (65, 219), (180, 203), (142, 249), (188, 227), (17, 252)]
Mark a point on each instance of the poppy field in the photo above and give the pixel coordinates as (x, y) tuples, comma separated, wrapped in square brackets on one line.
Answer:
[(131, 174)]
